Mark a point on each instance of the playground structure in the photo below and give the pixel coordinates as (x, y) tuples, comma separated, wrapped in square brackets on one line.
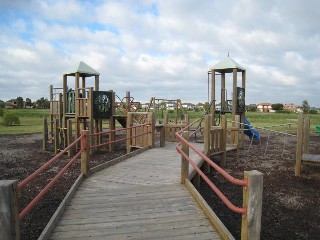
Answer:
[(84, 106), (216, 129), (303, 157)]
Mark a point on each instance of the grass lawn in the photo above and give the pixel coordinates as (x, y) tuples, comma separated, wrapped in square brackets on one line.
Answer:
[(31, 120)]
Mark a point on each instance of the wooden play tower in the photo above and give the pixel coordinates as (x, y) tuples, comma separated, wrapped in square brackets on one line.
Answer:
[(84, 106), (222, 138)]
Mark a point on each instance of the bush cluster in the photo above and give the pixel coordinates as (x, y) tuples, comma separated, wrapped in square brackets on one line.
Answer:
[(10, 119)]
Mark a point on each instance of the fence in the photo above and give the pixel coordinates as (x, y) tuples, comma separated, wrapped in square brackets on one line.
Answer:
[(252, 185)]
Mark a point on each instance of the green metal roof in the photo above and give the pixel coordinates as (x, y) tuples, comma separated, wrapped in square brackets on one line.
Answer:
[(84, 70), (227, 65)]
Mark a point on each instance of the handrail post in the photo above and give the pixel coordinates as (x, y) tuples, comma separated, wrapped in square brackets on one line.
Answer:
[(45, 135), (151, 129), (224, 140), (207, 134), (129, 131), (252, 201), (9, 210), (85, 155), (184, 162)]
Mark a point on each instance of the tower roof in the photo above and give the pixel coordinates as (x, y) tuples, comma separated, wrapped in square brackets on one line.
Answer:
[(84, 70), (227, 65)]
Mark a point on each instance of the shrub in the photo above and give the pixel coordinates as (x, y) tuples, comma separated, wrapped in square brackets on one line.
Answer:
[(1, 112), (10, 119)]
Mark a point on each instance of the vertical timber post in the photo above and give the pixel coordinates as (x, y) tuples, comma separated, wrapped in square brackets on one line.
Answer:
[(56, 136), (224, 140), (129, 131), (85, 155), (185, 162), (9, 210), (207, 128), (151, 129), (252, 201), (45, 134)]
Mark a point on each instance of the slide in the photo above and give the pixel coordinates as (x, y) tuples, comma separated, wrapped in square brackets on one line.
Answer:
[(249, 131)]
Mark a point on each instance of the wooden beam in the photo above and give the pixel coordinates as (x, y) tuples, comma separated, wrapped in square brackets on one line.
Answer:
[(234, 95), (9, 210), (299, 146), (252, 200), (184, 162)]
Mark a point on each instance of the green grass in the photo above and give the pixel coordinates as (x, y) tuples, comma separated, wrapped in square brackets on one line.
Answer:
[(31, 121)]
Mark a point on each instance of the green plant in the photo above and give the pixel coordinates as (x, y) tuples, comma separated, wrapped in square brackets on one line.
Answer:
[(1, 112), (10, 119)]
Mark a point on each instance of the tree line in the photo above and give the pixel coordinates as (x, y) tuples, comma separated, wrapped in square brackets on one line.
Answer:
[(27, 103)]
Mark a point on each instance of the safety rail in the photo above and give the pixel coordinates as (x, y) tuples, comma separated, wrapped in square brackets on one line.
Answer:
[(119, 140), (10, 188), (251, 184)]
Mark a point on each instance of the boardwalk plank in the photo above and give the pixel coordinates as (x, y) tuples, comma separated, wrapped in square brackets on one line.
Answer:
[(140, 198)]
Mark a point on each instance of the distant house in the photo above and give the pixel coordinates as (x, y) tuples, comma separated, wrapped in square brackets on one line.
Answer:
[(264, 107), (290, 107), (188, 106), (11, 103)]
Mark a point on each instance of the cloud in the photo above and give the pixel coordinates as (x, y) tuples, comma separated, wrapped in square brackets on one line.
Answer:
[(161, 48)]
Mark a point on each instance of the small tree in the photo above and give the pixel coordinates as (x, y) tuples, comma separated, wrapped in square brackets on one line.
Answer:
[(28, 102), (10, 119), (277, 106), (305, 106), (19, 102), (2, 104)]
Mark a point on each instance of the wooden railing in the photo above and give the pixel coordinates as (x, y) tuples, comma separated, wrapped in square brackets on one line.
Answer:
[(252, 186)]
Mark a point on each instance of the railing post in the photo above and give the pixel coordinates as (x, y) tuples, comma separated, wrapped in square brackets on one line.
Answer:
[(129, 132), (162, 136), (224, 140), (252, 201), (85, 155), (151, 129), (184, 162), (9, 210), (207, 134), (45, 134), (56, 136)]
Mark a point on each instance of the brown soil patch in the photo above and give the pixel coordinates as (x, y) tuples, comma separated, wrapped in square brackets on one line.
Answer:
[(291, 205)]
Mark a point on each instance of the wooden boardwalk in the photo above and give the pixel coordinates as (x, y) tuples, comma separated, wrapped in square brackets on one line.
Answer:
[(140, 198)]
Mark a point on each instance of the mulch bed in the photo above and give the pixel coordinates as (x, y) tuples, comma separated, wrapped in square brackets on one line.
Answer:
[(21, 155), (291, 205)]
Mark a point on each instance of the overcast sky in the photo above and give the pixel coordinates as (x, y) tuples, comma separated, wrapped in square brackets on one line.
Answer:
[(162, 48)]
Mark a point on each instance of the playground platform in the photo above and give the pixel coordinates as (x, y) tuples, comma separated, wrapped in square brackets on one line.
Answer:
[(139, 198)]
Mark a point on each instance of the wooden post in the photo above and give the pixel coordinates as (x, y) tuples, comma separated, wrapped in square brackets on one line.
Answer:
[(234, 97), (129, 132), (9, 210), (213, 95), (299, 146), (45, 134), (162, 136), (69, 136), (224, 104), (151, 129), (166, 127), (207, 127), (112, 124), (85, 155), (184, 162), (224, 140), (56, 136), (96, 82), (252, 200), (187, 118)]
